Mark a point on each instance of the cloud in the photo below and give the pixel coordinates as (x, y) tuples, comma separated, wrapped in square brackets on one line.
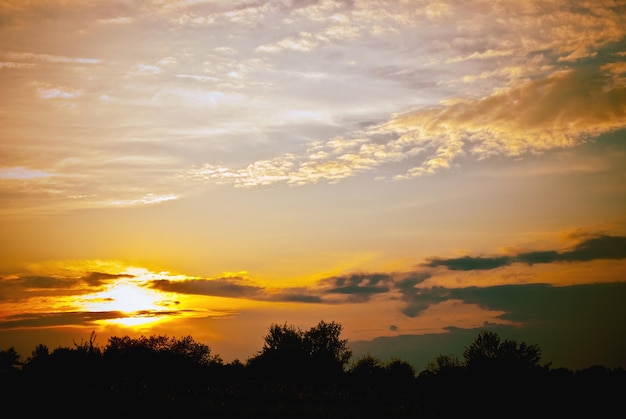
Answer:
[(468, 263), (600, 247), (570, 324), (418, 298), (219, 287), (23, 287), (95, 279), (121, 20), (75, 318), (562, 110), (288, 296), (307, 42), (148, 199), (505, 303), (30, 57), (11, 64), (530, 303), (47, 91), (47, 282), (354, 288), (145, 70), (22, 173), (358, 287)]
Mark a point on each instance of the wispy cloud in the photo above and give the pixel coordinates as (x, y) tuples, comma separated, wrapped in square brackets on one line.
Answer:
[(144, 200), (46, 91), (48, 58), (394, 90), (22, 173), (523, 119)]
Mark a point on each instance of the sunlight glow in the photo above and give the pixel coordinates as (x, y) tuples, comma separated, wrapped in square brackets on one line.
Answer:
[(139, 305)]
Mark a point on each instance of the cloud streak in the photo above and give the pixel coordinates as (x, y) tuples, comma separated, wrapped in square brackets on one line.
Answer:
[(601, 247)]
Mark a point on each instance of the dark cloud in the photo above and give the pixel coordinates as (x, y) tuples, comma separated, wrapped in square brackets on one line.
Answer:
[(353, 288), (531, 258), (600, 247), (219, 287), (48, 282), (96, 279), (13, 289), (359, 287), (573, 325), (73, 318), (357, 290), (418, 350), (529, 303), (290, 297), (419, 299), (469, 263), (364, 279)]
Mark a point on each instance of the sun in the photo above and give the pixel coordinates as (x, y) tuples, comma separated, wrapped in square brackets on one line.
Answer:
[(136, 304), (129, 298)]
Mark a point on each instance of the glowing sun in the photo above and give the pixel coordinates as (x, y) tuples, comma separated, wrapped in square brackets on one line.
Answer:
[(137, 305)]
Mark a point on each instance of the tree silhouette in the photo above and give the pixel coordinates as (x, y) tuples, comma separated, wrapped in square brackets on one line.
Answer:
[(9, 360), (503, 369), (327, 352), (368, 370), (300, 373), (400, 373), (443, 364), (488, 353), (290, 353)]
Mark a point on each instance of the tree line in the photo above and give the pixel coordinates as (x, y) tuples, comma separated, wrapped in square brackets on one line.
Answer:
[(305, 373)]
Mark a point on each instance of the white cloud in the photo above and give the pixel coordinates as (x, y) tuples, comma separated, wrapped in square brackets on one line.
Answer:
[(11, 64), (22, 173), (121, 20), (145, 69), (28, 56), (148, 199), (46, 91), (511, 122)]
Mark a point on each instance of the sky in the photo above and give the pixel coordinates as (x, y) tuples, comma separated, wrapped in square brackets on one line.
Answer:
[(416, 171)]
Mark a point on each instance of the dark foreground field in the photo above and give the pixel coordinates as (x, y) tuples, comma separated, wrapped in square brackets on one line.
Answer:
[(301, 375)]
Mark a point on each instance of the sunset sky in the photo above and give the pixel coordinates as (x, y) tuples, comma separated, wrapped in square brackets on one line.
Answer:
[(413, 170)]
